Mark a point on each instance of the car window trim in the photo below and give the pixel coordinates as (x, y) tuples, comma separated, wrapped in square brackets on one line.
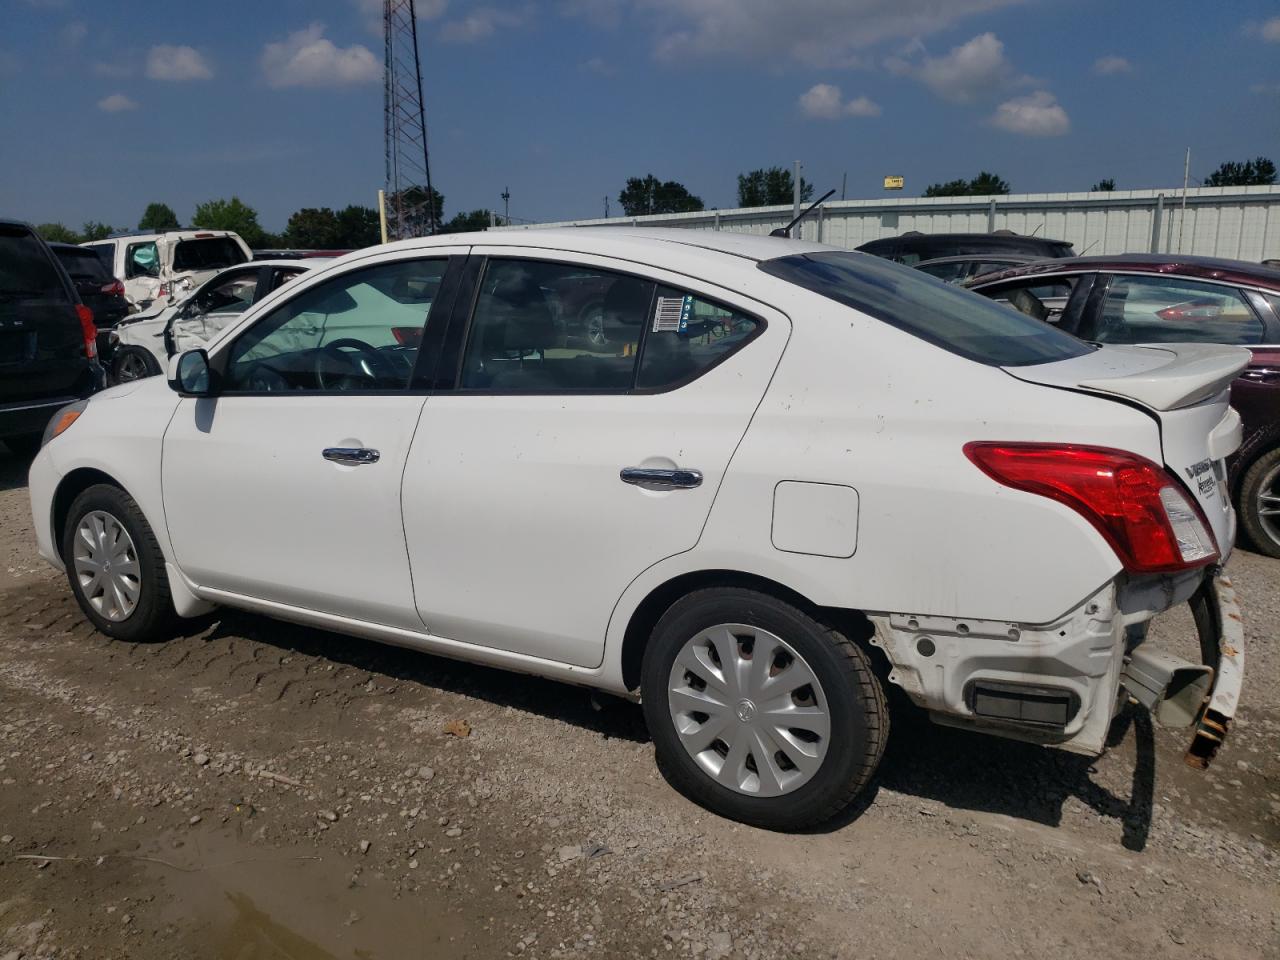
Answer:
[(464, 324), (219, 361)]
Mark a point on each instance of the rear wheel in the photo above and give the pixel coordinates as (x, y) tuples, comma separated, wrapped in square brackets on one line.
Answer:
[(1260, 503), (759, 712), (115, 566), (133, 363)]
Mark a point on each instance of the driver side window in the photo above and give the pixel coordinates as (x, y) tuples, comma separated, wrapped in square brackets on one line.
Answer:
[(358, 331)]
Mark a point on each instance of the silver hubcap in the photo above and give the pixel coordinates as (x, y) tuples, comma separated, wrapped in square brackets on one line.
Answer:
[(106, 565), (749, 710), (1269, 504)]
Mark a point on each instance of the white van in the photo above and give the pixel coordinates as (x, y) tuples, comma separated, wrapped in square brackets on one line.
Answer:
[(157, 268)]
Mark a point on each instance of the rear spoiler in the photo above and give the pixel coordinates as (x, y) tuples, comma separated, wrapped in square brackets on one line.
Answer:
[(1194, 372)]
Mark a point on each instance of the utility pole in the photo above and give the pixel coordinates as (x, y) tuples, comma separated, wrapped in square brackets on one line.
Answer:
[(1182, 217), (844, 177), (506, 204), (795, 191), (606, 206)]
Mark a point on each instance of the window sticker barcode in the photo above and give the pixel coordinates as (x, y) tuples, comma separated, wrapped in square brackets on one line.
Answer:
[(672, 314)]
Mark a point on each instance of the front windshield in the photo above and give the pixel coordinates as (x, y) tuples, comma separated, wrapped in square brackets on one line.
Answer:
[(955, 319)]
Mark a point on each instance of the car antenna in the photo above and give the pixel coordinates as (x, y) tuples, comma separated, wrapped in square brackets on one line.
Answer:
[(1087, 249), (786, 231)]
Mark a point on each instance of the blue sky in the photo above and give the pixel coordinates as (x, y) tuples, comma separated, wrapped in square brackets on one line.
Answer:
[(107, 106)]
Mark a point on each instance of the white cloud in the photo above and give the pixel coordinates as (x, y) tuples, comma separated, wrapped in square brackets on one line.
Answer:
[(1271, 30), (306, 59), (482, 22), (970, 71), (601, 66), (814, 33), (1106, 66), (1037, 115), (824, 101), (73, 34), (117, 102), (167, 62)]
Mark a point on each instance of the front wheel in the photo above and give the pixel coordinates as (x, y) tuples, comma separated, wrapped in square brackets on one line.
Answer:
[(133, 363), (1260, 503), (760, 713), (115, 566)]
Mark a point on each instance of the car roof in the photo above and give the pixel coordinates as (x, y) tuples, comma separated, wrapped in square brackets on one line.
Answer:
[(1205, 268), (59, 245), (309, 263), (985, 255), (660, 247)]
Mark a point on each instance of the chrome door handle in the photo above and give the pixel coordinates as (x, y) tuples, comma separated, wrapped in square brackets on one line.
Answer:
[(677, 479), (351, 456)]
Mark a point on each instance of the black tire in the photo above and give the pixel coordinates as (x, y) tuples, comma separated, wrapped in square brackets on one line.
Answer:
[(855, 699), (1263, 477), (26, 446), (153, 617), (133, 363)]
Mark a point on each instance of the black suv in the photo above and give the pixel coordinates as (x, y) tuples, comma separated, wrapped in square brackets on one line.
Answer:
[(913, 246), (48, 343)]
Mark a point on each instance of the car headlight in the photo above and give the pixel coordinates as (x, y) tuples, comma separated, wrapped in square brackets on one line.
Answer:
[(64, 418)]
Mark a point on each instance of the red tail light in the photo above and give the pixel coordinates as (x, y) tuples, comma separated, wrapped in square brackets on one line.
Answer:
[(89, 330), (113, 289), (407, 336), (1135, 504)]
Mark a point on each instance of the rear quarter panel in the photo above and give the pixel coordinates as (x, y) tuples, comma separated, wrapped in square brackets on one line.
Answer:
[(1256, 397), (859, 403)]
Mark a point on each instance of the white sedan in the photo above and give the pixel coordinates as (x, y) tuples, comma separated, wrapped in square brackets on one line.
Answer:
[(794, 478), (142, 345)]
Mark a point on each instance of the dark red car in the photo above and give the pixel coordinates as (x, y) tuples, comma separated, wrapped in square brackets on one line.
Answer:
[(1150, 298)]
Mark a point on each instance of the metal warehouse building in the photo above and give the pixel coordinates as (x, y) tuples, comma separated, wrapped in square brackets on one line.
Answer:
[(1237, 222)]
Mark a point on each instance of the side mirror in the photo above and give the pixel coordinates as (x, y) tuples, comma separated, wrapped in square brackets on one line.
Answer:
[(191, 376)]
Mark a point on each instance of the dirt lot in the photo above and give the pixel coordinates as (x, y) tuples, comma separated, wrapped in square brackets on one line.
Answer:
[(257, 790)]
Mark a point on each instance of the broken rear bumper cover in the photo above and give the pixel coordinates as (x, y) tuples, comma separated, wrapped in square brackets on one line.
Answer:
[(1061, 683)]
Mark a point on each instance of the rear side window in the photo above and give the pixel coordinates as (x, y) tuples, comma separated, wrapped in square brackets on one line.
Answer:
[(947, 316), (142, 260), (687, 336), (208, 253), (26, 270), (1170, 310), (952, 272), (82, 264)]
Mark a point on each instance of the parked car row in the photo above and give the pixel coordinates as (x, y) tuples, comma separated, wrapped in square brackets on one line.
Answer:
[(789, 478)]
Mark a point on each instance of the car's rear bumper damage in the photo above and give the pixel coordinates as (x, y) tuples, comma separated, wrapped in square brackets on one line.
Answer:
[(1061, 683)]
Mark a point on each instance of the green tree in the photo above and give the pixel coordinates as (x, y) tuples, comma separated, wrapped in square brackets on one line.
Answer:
[(158, 216), (1250, 173), (358, 227), (983, 185), (58, 233), (94, 230), (233, 214), (313, 228), (467, 222), (771, 187), (1103, 186), (647, 194)]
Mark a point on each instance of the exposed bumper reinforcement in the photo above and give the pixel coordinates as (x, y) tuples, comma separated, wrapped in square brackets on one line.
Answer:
[(1221, 630)]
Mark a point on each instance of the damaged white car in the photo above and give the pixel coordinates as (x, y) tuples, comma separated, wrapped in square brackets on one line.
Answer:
[(158, 268), (140, 346), (791, 477)]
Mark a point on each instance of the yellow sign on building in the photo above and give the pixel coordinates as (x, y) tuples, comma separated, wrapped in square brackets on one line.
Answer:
[(893, 183)]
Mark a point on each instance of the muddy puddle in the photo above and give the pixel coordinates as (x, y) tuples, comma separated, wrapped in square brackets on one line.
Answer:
[(234, 900)]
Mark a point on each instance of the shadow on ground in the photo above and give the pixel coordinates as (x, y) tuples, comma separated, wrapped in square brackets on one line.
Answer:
[(961, 770)]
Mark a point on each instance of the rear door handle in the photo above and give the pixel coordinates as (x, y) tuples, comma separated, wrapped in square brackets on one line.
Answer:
[(351, 456), (677, 479)]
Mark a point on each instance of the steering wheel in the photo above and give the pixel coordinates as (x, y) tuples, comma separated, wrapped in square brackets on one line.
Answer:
[(365, 367)]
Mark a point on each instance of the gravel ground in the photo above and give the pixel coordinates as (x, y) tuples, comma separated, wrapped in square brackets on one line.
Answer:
[(259, 790)]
